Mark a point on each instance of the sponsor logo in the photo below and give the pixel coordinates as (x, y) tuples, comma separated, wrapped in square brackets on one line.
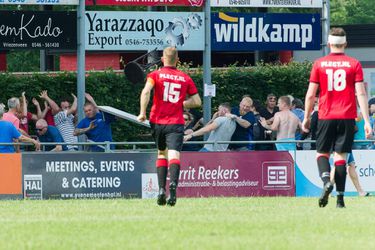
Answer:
[(238, 30), (277, 175), (149, 186), (32, 186)]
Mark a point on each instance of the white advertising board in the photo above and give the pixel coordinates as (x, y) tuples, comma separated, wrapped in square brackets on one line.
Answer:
[(268, 3), (129, 30)]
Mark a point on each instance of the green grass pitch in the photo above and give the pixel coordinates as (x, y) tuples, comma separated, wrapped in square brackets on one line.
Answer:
[(201, 223)]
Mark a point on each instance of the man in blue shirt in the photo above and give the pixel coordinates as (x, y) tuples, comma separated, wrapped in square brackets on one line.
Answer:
[(96, 125), (8, 133), (47, 133), (245, 119)]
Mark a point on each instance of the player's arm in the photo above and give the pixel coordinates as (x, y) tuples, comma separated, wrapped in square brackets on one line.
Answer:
[(362, 101), (31, 140), (73, 108), (193, 101), (309, 105), (275, 124), (242, 122), (145, 99), (202, 131)]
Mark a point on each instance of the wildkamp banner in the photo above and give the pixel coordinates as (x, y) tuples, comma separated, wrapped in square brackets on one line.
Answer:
[(127, 30), (265, 31), (38, 30)]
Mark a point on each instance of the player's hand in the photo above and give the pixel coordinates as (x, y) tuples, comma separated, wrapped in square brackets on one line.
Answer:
[(263, 121), (188, 131), (44, 94), (188, 137), (37, 145), (92, 124), (368, 130), (35, 102), (306, 125), (141, 117)]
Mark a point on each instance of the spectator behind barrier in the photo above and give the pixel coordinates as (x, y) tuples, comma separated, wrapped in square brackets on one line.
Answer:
[(8, 133), (96, 125), (189, 124), (244, 118), (48, 133), (64, 119), (221, 129), (285, 123), (268, 113)]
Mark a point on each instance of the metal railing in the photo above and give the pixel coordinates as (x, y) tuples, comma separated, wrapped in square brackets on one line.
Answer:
[(106, 146)]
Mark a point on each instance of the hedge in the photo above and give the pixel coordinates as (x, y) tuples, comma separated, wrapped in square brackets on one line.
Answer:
[(112, 89)]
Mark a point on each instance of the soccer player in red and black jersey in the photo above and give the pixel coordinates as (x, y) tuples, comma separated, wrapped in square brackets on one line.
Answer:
[(173, 91), (339, 79)]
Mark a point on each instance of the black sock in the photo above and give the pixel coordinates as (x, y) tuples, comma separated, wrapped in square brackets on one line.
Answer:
[(324, 169), (340, 176), (162, 176), (162, 171), (174, 170)]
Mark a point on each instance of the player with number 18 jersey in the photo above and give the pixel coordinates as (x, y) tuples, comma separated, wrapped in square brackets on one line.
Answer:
[(336, 75), (171, 86)]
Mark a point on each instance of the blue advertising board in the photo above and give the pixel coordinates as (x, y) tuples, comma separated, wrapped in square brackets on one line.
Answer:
[(265, 31)]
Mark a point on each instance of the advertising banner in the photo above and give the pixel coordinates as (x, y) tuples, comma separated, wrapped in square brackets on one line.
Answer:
[(268, 3), (38, 30), (194, 3), (84, 175), (231, 174), (10, 175), (308, 182), (40, 2), (265, 31), (126, 30)]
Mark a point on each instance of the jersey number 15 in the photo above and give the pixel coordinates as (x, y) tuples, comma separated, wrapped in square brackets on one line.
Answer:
[(171, 92), (336, 79)]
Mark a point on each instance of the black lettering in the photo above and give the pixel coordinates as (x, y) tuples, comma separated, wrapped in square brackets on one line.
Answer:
[(150, 26), (91, 21), (99, 25), (141, 25), (159, 25), (123, 23), (114, 26), (132, 25)]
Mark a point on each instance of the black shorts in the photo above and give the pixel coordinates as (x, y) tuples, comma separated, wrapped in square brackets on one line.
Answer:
[(169, 136), (335, 135)]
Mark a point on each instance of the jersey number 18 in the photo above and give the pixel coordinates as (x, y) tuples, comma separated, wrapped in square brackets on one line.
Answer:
[(336, 79)]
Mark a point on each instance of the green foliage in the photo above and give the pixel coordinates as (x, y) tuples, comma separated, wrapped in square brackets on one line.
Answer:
[(352, 12), (113, 89)]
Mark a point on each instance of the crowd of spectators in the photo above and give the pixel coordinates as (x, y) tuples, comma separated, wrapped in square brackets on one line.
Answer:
[(55, 125), (275, 119)]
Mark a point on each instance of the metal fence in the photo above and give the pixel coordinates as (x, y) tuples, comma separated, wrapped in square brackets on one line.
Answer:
[(136, 146)]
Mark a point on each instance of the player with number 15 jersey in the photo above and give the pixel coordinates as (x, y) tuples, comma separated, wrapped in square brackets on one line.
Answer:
[(171, 86), (336, 75)]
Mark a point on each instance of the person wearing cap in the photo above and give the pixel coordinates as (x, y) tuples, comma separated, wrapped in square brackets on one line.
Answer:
[(339, 79), (8, 133)]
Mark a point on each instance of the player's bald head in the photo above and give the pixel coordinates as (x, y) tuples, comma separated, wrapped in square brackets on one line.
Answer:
[(170, 56)]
